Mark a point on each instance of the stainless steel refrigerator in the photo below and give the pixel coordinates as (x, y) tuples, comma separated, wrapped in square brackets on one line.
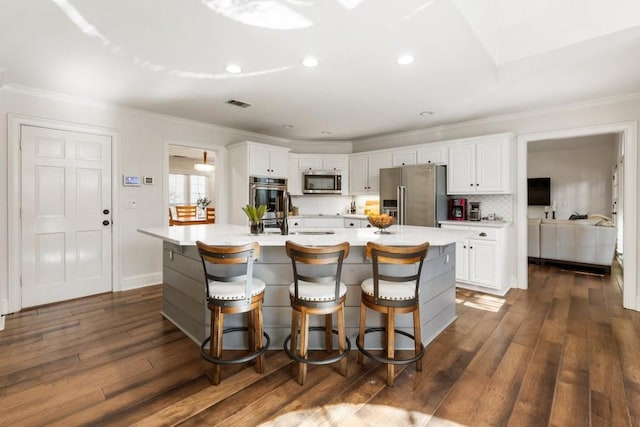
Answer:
[(415, 194)]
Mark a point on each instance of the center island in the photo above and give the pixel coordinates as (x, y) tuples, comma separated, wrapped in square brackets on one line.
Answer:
[(184, 302)]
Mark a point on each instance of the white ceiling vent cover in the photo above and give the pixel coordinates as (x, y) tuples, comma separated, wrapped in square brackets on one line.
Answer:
[(238, 103)]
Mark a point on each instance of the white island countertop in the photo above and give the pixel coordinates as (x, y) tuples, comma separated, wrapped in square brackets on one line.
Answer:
[(226, 234)]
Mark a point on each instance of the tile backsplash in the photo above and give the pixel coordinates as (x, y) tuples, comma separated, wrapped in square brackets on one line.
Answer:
[(499, 204)]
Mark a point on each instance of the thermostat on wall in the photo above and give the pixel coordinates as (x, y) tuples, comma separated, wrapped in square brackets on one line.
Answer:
[(147, 180), (130, 181)]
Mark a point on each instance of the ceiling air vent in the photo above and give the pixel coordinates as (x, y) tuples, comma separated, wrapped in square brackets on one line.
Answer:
[(238, 103)]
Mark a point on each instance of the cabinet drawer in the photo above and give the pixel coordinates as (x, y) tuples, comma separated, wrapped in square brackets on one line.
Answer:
[(484, 233), (296, 223), (352, 223)]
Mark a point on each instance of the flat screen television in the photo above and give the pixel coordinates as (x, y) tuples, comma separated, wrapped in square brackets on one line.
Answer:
[(539, 191)]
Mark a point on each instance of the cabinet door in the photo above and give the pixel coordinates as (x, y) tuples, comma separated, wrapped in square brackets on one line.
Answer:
[(461, 170), (403, 158), (483, 263), (432, 155), (334, 164), (377, 162), (259, 162), (294, 178), (358, 180), (492, 167), (310, 163), (279, 163), (462, 261)]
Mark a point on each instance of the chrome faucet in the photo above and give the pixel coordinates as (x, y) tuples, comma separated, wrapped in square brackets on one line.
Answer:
[(284, 225)]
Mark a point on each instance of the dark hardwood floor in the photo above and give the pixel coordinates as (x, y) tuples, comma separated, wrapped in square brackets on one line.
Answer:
[(563, 353)]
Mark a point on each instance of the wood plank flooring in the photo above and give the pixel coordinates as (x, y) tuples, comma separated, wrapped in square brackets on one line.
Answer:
[(563, 353)]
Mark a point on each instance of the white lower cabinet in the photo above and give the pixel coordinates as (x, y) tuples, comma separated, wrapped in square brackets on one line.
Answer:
[(481, 259), (356, 223)]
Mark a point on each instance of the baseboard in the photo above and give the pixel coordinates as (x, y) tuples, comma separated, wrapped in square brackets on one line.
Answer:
[(2, 323), (144, 280)]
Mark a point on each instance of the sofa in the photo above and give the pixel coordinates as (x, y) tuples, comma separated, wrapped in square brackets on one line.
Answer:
[(589, 241)]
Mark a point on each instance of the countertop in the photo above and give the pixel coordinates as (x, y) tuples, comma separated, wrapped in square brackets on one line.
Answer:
[(495, 224), (225, 234)]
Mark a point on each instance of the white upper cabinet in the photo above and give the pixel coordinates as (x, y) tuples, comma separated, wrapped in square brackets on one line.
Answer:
[(436, 155), (326, 163), (294, 178), (403, 158), (480, 167), (268, 161), (364, 172)]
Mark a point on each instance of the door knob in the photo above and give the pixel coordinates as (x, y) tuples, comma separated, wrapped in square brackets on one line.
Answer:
[(105, 222)]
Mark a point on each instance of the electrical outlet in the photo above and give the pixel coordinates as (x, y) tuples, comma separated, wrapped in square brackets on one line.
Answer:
[(131, 204)]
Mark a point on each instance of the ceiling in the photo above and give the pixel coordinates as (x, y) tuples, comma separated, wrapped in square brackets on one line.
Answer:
[(473, 58)]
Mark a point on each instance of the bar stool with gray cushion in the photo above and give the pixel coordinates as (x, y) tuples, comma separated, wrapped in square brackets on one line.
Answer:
[(231, 289), (317, 290), (391, 291)]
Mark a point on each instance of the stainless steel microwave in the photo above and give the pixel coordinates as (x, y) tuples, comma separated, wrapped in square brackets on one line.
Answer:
[(322, 182)]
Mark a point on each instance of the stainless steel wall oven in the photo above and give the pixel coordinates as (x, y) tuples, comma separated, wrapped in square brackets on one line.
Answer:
[(270, 192)]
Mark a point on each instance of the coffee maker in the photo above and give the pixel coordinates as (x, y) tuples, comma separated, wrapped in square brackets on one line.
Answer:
[(458, 209), (474, 211)]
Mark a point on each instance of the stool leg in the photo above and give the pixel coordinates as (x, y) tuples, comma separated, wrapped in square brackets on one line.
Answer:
[(258, 337), (417, 333), (363, 317), (251, 331), (294, 331), (328, 334), (342, 340), (390, 345), (217, 344), (304, 342)]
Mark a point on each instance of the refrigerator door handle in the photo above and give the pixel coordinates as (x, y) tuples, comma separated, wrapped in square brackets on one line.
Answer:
[(402, 201)]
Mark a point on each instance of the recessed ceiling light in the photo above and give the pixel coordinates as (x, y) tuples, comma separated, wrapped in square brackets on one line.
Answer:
[(324, 132), (233, 69), (287, 126), (405, 59), (426, 113), (310, 61)]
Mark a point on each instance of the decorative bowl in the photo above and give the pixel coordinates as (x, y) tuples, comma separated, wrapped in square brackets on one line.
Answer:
[(381, 222)]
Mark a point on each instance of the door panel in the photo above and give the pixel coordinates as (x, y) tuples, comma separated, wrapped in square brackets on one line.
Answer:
[(421, 197), (66, 185)]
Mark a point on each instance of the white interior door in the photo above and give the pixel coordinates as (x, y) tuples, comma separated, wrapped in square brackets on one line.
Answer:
[(66, 215)]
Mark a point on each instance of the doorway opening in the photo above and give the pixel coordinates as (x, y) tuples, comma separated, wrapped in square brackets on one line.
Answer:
[(625, 207), (191, 183)]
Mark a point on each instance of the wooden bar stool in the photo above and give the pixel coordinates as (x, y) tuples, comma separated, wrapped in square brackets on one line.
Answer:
[(317, 289), (232, 294), (390, 294)]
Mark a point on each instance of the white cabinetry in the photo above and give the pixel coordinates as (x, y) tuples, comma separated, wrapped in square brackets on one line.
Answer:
[(436, 154), (295, 223), (243, 163), (481, 259), (328, 222), (356, 223), (266, 160), (480, 166), (364, 172), (294, 178), (327, 163), (403, 158)]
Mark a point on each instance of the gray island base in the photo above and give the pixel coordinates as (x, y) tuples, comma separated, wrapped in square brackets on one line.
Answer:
[(184, 301)]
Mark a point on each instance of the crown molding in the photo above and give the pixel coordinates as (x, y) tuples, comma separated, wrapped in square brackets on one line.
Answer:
[(57, 96), (614, 99)]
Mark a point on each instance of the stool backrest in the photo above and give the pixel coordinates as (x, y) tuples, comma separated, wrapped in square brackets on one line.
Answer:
[(229, 255), (399, 255), (211, 215), (318, 256)]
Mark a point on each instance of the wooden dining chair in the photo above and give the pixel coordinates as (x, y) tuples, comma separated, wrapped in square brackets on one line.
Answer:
[(186, 211), (211, 215)]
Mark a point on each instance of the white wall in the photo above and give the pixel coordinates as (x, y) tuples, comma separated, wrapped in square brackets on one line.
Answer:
[(580, 179), (142, 138)]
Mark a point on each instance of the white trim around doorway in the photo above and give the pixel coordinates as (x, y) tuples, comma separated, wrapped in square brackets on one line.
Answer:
[(629, 131), (15, 121)]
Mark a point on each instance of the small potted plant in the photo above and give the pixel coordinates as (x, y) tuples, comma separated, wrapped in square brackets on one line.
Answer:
[(202, 204), (255, 215)]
